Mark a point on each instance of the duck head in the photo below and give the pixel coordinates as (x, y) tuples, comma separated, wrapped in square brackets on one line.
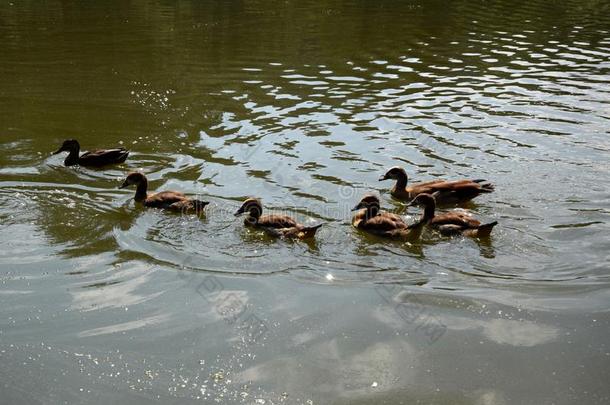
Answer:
[(371, 203), (139, 180), (133, 178), (69, 145), (252, 206), (395, 173)]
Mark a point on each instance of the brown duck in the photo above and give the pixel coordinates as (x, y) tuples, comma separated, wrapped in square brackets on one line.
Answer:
[(96, 158), (169, 200), (445, 192), (274, 224), (371, 219), (451, 223)]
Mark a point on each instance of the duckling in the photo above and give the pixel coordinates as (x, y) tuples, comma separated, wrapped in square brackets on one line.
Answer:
[(371, 219), (169, 200), (451, 223), (96, 158), (274, 224), (446, 192)]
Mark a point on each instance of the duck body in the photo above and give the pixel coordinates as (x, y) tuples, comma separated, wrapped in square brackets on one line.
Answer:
[(445, 192), (168, 200), (451, 223), (96, 158), (274, 224), (371, 219), (173, 200)]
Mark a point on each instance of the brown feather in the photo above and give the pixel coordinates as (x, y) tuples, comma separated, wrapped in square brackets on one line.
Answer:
[(455, 218), (447, 192), (174, 201), (164, 199), (277, 221)]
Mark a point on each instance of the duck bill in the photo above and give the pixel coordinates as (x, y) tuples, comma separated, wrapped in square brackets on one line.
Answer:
[(125, 184), (57, 151), (239, 212), (357, 207), (382, 178)]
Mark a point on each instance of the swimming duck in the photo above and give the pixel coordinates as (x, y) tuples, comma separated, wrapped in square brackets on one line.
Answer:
[(371, 219), (274, 224), (96, 158), (169, 200), (451, 223), (445, 192)]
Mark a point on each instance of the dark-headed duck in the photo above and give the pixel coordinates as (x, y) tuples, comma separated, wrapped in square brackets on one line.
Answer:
[(451, 223), (371, 219), (96, 158), (274, 224), (169, 200), (445, 192)]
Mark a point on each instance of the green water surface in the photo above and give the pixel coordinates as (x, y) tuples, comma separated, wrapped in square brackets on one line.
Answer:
[(304, 104)]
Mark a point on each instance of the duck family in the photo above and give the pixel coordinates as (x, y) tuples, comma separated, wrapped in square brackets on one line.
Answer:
[(368, 216)]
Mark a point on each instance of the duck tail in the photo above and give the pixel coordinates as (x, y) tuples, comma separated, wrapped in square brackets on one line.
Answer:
[(486, 186), (485, 229), (123, 156), (309, 231)]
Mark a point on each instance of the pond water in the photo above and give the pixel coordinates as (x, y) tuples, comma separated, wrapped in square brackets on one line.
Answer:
[(304, 104)]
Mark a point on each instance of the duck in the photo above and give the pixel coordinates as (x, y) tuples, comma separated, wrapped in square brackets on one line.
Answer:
[(371, 219), (451, 223), (446, 192), (274, 224), (96, 158), (169, 200)]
